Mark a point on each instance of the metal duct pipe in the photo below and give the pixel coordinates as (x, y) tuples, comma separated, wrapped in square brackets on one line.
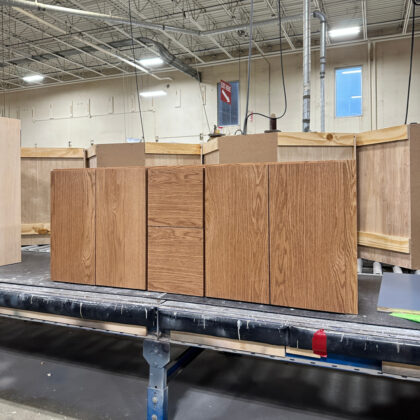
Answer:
[(170, 59), (323, 60), (306, 118)]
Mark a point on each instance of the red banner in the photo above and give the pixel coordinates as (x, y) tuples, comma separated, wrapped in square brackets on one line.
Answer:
[(226, 92)]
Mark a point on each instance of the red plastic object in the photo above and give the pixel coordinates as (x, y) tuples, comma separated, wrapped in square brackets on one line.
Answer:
[(319, 343)]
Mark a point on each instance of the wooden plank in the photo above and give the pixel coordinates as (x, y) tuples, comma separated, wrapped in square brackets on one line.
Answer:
[(236, 232), (10, 186), (36, 240), (175, 196), (385, 256), (172, 160), (136, 330), (121, 227), (36, 185), (313, 235), (228, 343), (377, 240), (176, 260), (301, 352), (315, 139), (73, 226), (400, 369), (36, 228), (173, 148), (313, 153), (52, 152), (211, 146), (384, 135)]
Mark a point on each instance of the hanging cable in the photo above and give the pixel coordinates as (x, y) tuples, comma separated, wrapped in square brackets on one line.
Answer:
[(135, 70), (282, 77), (415, 3), (201, 94), (251, 19)]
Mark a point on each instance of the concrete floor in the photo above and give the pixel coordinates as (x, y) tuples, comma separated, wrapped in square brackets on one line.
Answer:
[(49, 372)]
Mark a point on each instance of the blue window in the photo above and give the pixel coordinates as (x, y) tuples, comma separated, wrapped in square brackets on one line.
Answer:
[(228, 114), (348, 92)]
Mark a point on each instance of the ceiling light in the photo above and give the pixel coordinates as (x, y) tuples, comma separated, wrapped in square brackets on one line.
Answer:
[(153, 93), (33, 78), (151, 62), (352, 71), (336, 33)]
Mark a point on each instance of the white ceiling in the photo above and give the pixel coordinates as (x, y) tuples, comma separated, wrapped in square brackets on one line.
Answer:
[(67, 48)]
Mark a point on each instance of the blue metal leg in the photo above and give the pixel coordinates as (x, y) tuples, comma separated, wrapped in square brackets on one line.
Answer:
[(157, 354)]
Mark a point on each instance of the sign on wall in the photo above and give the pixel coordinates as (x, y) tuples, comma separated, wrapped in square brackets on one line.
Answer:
[(226, 92)]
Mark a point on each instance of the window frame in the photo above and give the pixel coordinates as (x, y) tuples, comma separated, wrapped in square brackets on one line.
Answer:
[(335, 90), (239, 103)]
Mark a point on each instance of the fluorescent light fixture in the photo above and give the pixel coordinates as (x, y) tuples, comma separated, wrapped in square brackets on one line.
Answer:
[(356, 97), (152, 93), (151, 62), (351, 71), (33, 78), (336, 33)]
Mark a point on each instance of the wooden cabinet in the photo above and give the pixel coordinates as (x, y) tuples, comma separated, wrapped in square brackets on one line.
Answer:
[(73, 227), (388, 163), (236, 232), (121, 227), (10, 199), (36, 166), (313, 236), (98, 226)]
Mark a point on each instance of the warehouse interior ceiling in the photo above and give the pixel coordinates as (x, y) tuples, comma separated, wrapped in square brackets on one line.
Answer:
[(68, 48)]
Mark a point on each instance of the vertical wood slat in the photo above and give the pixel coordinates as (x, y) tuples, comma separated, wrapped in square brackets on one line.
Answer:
[(313, 237), (121, 227), (236, 232), (73, 226), (10, 191)]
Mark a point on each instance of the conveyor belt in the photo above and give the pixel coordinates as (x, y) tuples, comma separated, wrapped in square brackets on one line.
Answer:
[(370, 334)]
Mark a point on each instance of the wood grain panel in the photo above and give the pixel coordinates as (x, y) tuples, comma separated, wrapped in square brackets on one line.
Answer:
[(36, 185), (10, 185), (176, 260), (73, 226), (384, 135), (173, 148), (175, 197), (313, 236), (52, 152), (236, 226), (121, 227)]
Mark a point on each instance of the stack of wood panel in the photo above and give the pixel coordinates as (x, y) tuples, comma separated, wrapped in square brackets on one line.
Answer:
[(389, 195), (281, 233)]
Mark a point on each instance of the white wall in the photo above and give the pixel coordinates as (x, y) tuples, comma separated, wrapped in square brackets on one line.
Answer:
[(107, 111)]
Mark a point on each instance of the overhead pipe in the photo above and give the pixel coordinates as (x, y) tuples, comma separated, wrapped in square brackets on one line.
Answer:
[(306, 118), (171, 59), (323, 61)]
